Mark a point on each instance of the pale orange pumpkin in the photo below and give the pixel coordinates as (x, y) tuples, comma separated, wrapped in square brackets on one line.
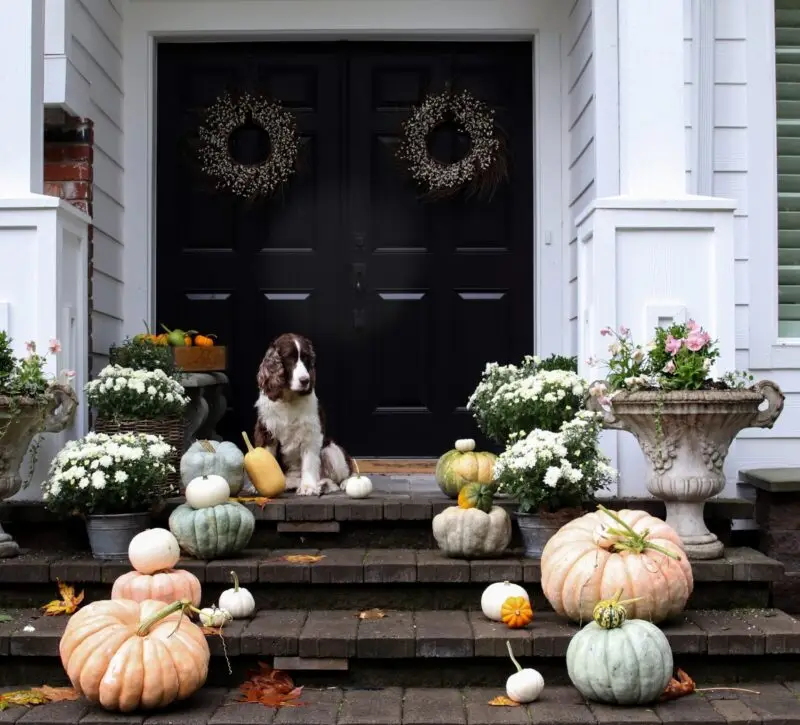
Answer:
[(127, 655), (593, 557), (165, 586)]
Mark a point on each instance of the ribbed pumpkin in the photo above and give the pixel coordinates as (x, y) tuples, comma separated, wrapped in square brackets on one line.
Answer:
[(206, 458), (592, 557), (619, 661), (129, 656), (472, 534), (210, 533), (476, 496), (165, 586), (463, 465)]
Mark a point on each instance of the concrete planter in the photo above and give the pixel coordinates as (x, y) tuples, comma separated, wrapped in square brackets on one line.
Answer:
[(685, 436), (20, 420)]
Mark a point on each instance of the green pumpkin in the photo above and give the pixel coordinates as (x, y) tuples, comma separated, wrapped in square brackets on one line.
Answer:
[(214, 532), (619, 662), (476, 496), (214, 458), (463, 465)]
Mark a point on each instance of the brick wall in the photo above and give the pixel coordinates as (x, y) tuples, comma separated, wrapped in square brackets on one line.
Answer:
[(68, 164)]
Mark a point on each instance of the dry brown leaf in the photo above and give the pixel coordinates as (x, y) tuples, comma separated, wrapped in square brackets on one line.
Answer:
[(680, 687), (212, 631), (271, 688), (58, 694), (371, 614), (68, 603), (503, 701), (260, 501), (303, 558)]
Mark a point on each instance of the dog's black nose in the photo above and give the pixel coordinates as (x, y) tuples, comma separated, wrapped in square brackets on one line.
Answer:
[(304, 380)]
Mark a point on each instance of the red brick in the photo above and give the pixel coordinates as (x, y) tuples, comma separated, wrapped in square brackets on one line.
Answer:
[(67, 171), (69, 190), (57, 152)]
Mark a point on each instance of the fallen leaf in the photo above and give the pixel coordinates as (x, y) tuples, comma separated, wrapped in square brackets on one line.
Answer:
[(212, 631), (5, 617), (680, 687), (58, 694), (23, 698), (68, 603), (371, 614), (270, 687), (503, 701), (259, 501), (303, 558)]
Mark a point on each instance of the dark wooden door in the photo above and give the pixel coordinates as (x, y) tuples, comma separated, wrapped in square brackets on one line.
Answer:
[(405, 300)]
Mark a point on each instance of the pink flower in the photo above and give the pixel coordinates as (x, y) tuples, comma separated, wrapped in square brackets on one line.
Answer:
[(692, 326), (605, 402), (55, 346), (672, 344), (697, 340), (591, 362), (624, 331), (669, 368), (30, 346), (606, 331)]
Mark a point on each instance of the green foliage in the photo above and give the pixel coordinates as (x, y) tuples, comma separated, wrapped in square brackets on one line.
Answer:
[(559, 362), (143, 354)]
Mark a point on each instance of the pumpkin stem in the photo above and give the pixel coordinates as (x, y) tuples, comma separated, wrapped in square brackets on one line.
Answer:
[(247, 442), (513, 659), (180, 606), (207, 446), (235, 581), (355, 463), (632, 540)]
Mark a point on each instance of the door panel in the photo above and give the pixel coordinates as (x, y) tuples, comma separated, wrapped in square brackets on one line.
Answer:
[(405, 300)]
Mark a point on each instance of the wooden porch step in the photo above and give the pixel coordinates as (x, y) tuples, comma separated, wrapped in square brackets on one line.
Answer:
[(396, 466)]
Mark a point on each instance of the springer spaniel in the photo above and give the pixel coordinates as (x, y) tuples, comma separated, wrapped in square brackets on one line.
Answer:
[(291, 422)]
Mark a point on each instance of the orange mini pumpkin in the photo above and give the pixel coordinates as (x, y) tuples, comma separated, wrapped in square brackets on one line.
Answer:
[(516, 612)]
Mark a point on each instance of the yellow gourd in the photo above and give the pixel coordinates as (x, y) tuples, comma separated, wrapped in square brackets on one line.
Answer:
[(263, 470)]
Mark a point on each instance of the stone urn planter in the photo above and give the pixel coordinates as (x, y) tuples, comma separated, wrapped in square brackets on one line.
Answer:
[(20, 420), (685, 436)]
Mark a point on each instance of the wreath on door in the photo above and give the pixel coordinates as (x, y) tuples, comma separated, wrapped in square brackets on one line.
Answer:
[(483, 167), (228, 114)]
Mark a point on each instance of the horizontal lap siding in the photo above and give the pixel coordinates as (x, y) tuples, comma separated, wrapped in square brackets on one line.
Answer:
[(580, 85)]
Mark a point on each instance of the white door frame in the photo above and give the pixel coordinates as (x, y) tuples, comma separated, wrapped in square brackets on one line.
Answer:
[(541, 21)]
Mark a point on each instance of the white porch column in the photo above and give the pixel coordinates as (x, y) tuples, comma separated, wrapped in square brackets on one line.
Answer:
[(648, 253), (22, 97)]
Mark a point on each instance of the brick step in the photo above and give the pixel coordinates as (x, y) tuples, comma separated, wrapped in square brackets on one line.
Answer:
[(777, 702), (364, 578), (389, 519)]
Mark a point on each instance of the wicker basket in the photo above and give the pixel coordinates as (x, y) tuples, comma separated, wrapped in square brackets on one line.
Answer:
[(172, 430)]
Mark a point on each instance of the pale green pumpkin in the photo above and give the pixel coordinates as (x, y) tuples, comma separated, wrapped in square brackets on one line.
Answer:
[(210, 533), (212, 458), (464, 465), (618, 661)]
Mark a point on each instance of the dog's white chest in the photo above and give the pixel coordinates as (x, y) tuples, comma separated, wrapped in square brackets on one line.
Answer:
[(295, 425)]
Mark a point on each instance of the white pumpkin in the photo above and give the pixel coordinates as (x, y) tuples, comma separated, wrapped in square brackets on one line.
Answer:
[(358, 486), (214, 617), (207, 491), (465, 445), (153, 550), (496, 594), (471, 533), (238, 601), (525, 685), (212, 457)]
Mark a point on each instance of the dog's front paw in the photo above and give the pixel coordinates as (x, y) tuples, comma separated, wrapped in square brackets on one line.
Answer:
[(292, 483), (309, 488), (327, 485)]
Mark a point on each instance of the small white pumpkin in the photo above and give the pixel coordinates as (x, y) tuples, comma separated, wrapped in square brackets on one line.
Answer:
[(207, 491), (525, 685), (238, 601), (465, 445), (214, 617), (153, 550), (495, 594), (357, 486)]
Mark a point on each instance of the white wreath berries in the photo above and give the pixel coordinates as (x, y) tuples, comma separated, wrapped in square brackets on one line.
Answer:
[(222, 118), (472, 117)]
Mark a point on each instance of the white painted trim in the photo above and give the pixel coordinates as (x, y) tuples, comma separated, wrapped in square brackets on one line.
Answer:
[(703, 44), (542, 21), (606, 84)]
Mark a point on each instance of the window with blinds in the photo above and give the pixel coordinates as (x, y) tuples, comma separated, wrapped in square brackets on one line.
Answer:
[(787, 51)]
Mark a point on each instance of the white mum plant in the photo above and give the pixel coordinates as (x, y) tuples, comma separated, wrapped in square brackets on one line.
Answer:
[(548, 471), (119, 392), (108, 474)]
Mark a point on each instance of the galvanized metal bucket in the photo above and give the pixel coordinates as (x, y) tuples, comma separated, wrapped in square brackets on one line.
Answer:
[(110, 535)]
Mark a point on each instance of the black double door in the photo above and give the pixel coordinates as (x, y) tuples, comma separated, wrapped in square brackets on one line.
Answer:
[(405, 300)]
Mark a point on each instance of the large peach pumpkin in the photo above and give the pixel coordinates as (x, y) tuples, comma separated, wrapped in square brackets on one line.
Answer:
[(593, 557), (127, 655), (165, 586)]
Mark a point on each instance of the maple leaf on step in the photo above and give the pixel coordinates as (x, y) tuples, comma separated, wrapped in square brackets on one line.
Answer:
[(211, 631), (57, 694), (23, 698), (270, 687), (68, 603), (5, 617), (303, 558), (371, 614), (680, 687), (503, 701), (260, 501)]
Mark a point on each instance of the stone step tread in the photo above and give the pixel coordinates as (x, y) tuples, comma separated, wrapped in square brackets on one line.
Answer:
[(444, 633), (775, 702), (356, 566), (399, 503)]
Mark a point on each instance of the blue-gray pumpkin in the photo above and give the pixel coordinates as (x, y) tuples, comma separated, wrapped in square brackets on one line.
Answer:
[(213, 532), (618, 661)]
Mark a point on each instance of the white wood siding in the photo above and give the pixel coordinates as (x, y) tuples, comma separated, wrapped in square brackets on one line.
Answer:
[(579, 68)]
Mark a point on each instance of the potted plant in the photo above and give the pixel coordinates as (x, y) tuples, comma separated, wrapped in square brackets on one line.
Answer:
[(30, 404), (111, 480), (683, 419), (129, 400), (551, 474)]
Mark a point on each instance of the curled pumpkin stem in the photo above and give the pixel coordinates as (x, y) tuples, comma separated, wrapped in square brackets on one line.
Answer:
[(235, 581), (631, 541), (513, 659), (183, 606)]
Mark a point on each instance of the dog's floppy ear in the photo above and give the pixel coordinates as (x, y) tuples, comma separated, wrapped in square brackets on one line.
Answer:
[(271, 379)]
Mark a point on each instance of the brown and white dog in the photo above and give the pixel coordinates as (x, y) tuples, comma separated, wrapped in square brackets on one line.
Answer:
[(291, 422)]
